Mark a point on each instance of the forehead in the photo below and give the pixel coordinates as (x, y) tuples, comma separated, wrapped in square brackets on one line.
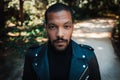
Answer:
[(60, 16)]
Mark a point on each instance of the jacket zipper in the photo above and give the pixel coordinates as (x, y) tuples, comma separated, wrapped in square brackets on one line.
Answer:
[(83, 73)]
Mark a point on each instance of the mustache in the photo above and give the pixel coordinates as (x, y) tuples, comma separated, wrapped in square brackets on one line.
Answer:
[(64, 40)]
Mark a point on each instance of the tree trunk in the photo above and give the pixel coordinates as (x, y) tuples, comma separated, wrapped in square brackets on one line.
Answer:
[(2, 18), (21, 12), (70, 3)]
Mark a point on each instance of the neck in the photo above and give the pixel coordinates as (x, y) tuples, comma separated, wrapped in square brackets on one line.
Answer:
[(67, 49)]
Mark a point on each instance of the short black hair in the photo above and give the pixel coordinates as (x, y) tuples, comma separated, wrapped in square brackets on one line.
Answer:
[(57, 7)]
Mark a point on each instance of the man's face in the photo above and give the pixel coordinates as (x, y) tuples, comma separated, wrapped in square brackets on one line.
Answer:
[(59, 29)]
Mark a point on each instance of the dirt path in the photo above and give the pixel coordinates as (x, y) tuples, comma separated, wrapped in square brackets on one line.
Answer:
[(96, 32)]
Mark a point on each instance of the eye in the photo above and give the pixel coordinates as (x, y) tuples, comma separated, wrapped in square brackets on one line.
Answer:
[(52, 27), (67, 27)]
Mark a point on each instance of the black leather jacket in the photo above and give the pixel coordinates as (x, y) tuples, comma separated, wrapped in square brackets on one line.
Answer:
[(84, 65)]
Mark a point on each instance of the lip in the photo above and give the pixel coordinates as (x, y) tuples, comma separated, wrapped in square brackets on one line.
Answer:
[(60, 41)]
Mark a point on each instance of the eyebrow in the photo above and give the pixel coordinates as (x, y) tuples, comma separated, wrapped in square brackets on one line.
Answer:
[(52, 24), (68, 22)]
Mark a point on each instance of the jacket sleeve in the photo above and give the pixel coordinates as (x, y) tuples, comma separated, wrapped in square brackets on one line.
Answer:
[(28, 72), (94, 69)]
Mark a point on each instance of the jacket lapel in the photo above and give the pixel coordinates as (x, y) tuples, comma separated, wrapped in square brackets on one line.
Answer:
[(41, 65), (78, 63)]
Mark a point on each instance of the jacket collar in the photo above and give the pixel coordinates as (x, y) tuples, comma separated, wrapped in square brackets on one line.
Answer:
[(78, 63), (77, 50), (41, 65)]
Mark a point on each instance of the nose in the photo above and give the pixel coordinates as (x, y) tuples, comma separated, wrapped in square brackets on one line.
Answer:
[(60, 33)]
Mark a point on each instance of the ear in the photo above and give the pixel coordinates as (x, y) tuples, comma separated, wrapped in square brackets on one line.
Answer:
[(45, 26), (73, 28)]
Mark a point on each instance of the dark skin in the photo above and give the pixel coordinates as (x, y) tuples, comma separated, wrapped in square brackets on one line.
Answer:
[(59, 29)]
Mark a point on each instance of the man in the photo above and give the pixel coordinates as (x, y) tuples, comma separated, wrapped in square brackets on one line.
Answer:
[(60, 58)]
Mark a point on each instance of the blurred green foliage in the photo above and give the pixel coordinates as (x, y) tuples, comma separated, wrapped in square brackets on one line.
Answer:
[(116, 38), (33, 11), (26, 38), (116, 33)]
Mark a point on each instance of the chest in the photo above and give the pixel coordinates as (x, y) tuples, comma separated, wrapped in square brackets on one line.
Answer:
[(59, 65)]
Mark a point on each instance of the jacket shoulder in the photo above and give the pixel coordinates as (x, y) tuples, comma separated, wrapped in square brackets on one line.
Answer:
[(88, 51), (33, 51), (87, 47), (34, 47)]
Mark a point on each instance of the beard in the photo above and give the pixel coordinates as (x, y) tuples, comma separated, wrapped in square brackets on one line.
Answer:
[(60, 44)]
